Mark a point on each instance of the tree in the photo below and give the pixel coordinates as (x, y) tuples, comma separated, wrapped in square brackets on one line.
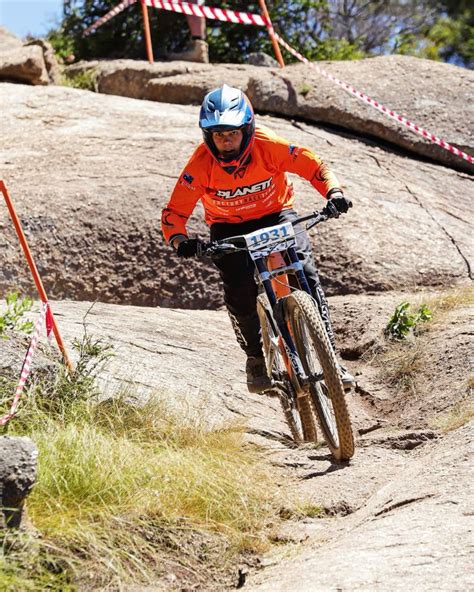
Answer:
[(121, 37), (453, 33), (439, 29)]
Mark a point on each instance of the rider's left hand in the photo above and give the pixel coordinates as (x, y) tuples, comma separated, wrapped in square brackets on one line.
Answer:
[(339, 202)]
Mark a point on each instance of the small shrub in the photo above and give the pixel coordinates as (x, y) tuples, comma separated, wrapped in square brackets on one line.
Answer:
[(305, 89), (403, 322), (12, 319), (85, 80)]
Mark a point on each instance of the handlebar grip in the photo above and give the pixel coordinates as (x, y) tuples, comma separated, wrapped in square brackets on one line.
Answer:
[(331, 211)]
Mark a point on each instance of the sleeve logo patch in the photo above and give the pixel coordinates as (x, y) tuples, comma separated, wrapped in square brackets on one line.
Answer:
[(294, 151), (186, 181)]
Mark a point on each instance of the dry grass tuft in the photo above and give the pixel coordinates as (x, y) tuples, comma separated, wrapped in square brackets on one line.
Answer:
[(126, 493), (441, 304), (401, 364), (459, 415)]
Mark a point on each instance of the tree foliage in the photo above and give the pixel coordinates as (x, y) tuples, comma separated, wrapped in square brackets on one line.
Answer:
[(304, 24), (320, 29), (453, 33)]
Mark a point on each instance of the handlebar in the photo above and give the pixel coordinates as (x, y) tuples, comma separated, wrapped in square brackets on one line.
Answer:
[(232, 244)]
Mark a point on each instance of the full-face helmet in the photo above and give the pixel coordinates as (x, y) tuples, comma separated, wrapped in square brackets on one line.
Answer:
[(224, 109)]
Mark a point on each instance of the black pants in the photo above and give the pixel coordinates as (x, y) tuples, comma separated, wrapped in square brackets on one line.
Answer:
[(237, 272)]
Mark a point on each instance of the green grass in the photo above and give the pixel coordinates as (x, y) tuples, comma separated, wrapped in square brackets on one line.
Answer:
[(126, 492), (86, 80)]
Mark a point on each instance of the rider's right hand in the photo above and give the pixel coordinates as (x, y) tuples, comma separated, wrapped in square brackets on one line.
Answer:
[(191, 247)]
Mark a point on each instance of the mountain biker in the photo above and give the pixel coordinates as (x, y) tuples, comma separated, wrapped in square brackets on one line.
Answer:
[(239, 174)]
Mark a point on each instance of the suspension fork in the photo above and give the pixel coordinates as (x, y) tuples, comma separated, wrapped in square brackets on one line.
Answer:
[(295, 260)]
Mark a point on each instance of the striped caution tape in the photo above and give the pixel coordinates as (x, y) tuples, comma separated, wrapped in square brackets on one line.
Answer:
[(220, 14), (25, 370), (103, 19), (373, 103)]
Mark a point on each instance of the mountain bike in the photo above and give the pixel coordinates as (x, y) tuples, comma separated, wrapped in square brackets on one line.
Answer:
[(299, 357)]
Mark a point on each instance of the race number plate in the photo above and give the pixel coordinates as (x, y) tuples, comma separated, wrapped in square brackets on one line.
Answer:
[(269, 240)]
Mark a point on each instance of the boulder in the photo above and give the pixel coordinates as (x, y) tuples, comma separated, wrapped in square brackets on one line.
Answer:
[(433, 95), (25, 64), (190, 89), (33, 62), (165, 82), (9, 41), (51, 63), (18, 466), (260, 58)]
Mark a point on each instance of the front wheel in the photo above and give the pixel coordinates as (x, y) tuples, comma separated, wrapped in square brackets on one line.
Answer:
[(320, 365), (299, 412)]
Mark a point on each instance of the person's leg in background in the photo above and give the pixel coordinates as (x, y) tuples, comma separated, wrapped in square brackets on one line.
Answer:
[(197, 50)]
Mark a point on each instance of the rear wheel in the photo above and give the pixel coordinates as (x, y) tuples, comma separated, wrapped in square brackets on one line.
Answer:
[(299, 412), (319, 360)]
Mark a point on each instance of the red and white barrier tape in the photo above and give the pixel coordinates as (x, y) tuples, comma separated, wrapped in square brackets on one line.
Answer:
[(103, 19), (45, 315), (219, 14), (373, 103)]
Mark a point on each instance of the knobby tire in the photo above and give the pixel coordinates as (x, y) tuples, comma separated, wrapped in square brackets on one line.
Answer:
[(311, 338), (299, 412)]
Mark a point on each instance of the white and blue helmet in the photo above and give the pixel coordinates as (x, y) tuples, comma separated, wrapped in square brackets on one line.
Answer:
[(223, 109)]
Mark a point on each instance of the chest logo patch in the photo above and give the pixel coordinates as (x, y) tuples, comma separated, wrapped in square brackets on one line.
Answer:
[(244, 190)]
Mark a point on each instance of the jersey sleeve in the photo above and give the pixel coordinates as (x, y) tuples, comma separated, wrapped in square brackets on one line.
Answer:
[(300, 160), (186, 193)]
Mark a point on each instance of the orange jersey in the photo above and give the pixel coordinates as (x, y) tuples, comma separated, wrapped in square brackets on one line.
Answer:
[(254, 190)]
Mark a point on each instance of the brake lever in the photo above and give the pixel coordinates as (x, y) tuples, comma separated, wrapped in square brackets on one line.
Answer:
[(331, 211), (215, 251), (321, 217)]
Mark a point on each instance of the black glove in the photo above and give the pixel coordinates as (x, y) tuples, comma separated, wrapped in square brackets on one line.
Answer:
[(338, 204), (191, 247)]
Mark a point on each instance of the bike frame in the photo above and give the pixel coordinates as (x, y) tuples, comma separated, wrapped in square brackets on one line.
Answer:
[(267, 272)]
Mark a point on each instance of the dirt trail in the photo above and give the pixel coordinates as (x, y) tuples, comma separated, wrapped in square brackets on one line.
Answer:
[(415, 531)]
